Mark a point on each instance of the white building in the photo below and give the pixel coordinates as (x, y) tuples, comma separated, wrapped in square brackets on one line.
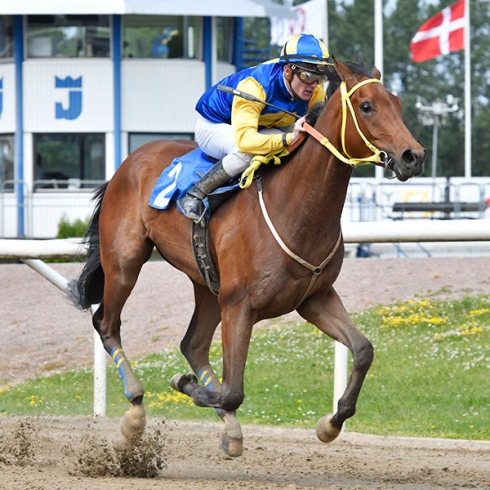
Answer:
[(84, 83)]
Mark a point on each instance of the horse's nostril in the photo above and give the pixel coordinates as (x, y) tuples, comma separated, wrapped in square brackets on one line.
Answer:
[(413, 157), (408, 156)]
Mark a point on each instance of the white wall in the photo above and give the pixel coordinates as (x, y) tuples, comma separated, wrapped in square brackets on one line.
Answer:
[(41, 96), (160, 95)]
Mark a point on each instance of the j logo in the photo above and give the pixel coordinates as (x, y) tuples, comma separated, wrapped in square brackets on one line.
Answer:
[(74, 108), (1, 96)]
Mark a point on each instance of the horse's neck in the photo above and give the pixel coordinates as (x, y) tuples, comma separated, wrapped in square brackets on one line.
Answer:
[(324, 180), (309, 195)]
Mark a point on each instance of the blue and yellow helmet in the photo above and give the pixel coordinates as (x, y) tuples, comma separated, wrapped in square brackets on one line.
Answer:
[(306, 50)]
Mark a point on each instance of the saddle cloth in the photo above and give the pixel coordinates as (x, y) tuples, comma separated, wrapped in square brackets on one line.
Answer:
[(179, 177)]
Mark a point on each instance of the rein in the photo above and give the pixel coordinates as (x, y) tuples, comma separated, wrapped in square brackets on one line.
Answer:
[(378, 156)]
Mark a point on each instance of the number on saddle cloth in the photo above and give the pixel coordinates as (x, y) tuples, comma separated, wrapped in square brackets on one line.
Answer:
[(180, 176)]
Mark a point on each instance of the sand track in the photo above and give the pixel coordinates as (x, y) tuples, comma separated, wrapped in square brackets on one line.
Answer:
[(42, 333)]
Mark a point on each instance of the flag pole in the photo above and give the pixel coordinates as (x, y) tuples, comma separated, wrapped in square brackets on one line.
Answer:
[(325, 26), (378, 54), (467, 92)]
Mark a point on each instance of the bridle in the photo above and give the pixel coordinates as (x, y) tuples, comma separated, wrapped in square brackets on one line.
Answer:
[(379, 157)]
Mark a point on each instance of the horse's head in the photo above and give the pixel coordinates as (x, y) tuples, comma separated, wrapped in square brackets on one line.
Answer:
[(372, 129)]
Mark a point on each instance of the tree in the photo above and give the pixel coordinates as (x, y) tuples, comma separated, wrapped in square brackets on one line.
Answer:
[(351, 26), (351, 37)]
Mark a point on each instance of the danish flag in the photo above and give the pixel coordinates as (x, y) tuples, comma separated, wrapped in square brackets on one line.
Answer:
[(441, 34)]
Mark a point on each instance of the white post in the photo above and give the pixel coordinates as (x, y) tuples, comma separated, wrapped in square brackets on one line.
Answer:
[(378, 55), (100, 373), (340, 373), (50, 274), (467, 92)]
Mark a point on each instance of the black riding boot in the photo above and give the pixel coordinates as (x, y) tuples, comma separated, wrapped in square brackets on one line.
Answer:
[(191, 204)]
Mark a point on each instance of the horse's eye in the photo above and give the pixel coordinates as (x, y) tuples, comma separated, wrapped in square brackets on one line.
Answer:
[(366, 107)]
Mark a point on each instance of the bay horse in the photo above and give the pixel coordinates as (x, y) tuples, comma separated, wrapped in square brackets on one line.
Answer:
[(263, 245)]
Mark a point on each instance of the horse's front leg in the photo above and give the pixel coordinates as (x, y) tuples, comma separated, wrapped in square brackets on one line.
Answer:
[(325, 310), (236, 327), (231, 438), (205, 388)]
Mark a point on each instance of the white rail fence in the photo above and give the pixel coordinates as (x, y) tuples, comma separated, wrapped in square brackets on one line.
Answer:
[(31, 252), (46, 202)]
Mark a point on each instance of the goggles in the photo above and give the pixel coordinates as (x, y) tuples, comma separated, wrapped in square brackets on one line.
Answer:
[(308, 77)]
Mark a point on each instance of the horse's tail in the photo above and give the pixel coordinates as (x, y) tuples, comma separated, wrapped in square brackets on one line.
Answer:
[(88, 288)]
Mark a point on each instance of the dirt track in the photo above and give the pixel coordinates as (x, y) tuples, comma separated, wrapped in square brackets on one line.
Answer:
[(78, 454), (41, 333)]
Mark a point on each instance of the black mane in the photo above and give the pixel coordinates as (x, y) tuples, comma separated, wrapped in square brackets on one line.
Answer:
[(357, 67)]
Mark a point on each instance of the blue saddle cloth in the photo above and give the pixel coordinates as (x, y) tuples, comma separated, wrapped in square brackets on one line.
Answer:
[(179, 177)]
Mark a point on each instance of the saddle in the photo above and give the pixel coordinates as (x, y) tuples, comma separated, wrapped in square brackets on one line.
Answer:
[(173, 183), (184, 172)]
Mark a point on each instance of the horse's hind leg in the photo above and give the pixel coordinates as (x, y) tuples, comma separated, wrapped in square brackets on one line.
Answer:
[(326, 311), (120, 278), (205, 389)]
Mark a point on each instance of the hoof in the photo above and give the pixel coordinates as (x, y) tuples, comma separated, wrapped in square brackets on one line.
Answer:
[(325, 431), (230, 446), (178, 381), (133, 423)]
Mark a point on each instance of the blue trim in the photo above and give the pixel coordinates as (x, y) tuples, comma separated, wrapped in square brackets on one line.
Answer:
[(19, 121), (238, 43), (117, 54), (207, 51)]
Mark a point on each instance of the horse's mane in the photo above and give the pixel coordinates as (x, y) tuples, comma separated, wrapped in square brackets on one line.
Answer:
[(334, 81), (357, 67)]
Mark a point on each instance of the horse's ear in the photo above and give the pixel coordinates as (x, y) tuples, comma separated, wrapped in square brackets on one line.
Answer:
[(343, 72), (376, 73)]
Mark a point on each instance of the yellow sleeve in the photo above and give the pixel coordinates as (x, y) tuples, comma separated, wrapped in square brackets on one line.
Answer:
[(245, 122), (318, 95)]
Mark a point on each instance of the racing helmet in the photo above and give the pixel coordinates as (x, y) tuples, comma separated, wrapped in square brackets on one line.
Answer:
[(306, 51)]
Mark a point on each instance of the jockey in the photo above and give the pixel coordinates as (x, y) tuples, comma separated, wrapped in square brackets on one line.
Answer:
[(233, 130)]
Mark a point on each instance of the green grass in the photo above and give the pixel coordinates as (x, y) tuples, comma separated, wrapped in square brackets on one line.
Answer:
[(429, 377)]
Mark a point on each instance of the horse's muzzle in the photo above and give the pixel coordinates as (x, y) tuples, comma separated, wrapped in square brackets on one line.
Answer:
[(411, 164)]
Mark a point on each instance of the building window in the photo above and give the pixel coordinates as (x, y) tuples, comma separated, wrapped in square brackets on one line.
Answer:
[(6, 36), (224, 29), (68, 36), (6, 162), (161, 36), (139, 139), (69, 158)]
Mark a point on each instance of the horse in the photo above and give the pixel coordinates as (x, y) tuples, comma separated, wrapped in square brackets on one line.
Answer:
[(277, 247)]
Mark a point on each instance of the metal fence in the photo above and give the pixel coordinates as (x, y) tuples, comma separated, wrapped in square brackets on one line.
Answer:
[(369, 200), (36, 212)]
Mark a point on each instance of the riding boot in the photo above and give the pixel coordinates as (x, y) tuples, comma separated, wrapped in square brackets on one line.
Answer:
[(191, 204)]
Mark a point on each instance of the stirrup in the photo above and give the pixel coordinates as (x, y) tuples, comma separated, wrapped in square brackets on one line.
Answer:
[(192, 207)]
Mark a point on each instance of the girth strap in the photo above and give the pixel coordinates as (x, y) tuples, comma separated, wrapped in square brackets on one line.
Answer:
[(202, 255), (315, 270)]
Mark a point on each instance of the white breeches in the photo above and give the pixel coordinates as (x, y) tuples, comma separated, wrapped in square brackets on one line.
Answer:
[(217, 141)]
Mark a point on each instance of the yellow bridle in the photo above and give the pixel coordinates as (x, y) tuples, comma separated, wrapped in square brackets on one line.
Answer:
[(378, 155)]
